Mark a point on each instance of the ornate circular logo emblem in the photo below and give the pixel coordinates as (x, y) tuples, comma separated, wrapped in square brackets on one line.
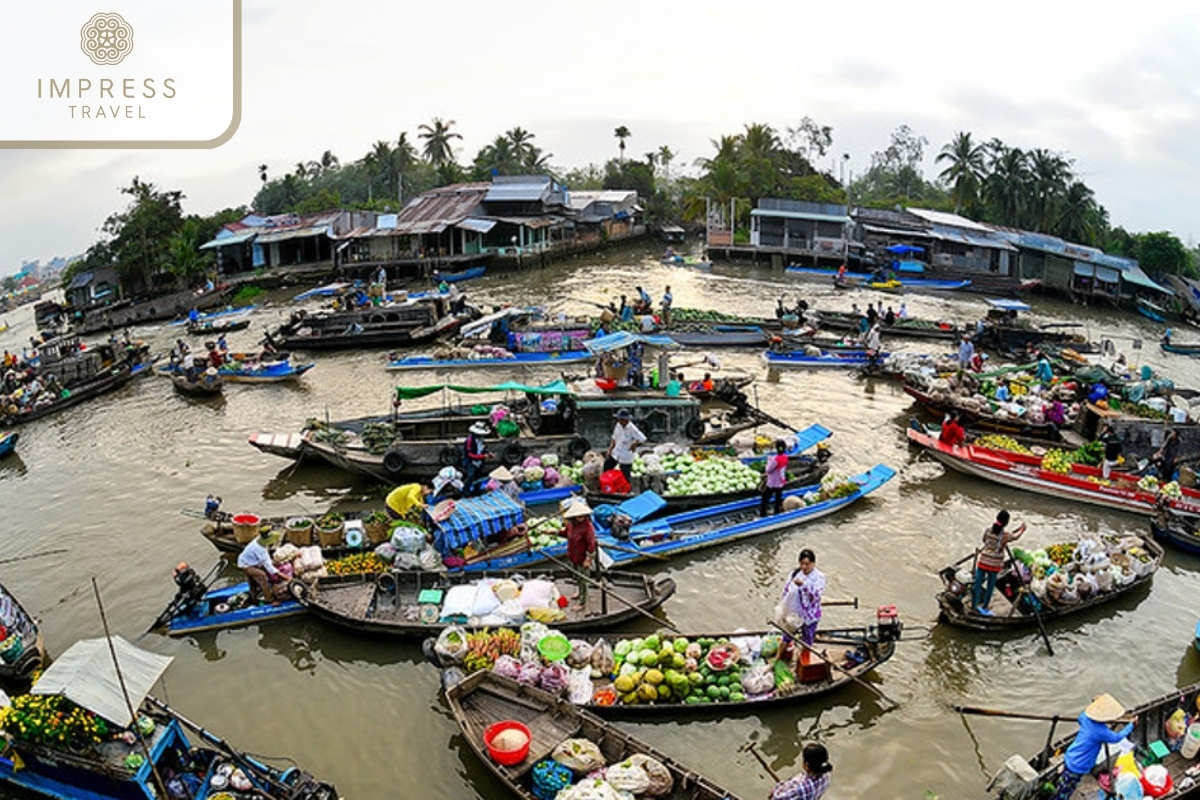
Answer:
[(106, 38)]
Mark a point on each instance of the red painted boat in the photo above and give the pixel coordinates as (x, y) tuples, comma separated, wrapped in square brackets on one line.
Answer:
[(1024, 471)]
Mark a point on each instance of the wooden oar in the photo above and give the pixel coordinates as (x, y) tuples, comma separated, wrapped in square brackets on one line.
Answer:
[(1037, 613), (752, 749), (795, 637), (634, 551), (995, 712), (604, 590)]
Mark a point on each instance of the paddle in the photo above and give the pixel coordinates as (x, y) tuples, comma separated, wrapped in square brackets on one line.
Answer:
[(604, 589), (995, 712), (1037, 613), (752, 749), (793, 635)]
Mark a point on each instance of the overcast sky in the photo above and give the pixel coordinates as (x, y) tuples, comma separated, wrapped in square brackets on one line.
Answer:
[(1113, 87)]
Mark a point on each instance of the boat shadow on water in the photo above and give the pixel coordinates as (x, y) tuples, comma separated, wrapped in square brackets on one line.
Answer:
[(12, 466)]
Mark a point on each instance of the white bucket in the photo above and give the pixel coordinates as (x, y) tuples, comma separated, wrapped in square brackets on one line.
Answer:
[(1179, 415), (1191, 741)]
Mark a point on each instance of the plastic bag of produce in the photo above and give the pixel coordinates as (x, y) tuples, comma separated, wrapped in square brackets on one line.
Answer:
[(386, 552), (581, 755), (591, 789), (580, 655), (407, 539), (458, 601), (427, 559), (579, 686), (602, 657), (531, 673), (405, 561), (661, 782), (485, 601), (750, 646), (285, 569), (506, 590), (626, 777), (1174, 728), (285, 553), (532, 633), (614, 482), (554, 678), (507, 666), (537, 593), (511, 611), (549, 778), (758, 680), (451, 644)]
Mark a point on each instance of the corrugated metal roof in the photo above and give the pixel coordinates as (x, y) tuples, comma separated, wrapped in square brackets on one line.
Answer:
[(770, 212), (1135, 276), (963, 237), (79, 281), (528, 191), (530, 222), (236, 238), (292, 233), (477, 225), (434, 211), (907, 233), (945, 218)]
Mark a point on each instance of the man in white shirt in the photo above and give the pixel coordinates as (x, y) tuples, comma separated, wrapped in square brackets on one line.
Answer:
[(255, 561), (625, 437)]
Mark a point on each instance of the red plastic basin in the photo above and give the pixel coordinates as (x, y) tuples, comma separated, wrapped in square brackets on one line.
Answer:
[(506, 757)]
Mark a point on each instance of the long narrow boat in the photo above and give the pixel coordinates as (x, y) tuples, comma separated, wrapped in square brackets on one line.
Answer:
[(21, 650), (1151, 310), (8, 442), (828, 359), (1180, 348), (73, 765), (205, 384), (1179, 532), (801, 474), (857, 650), (1014, 426), (257, 372), (462, 275), (1082, 483), (410, 363), (485, 698), (328, 290), (866, 278), (226, 607), (1047, 765), (113, 378), (390, 604), (693, 335), (227, 313), (910, 327), (1010, 612)]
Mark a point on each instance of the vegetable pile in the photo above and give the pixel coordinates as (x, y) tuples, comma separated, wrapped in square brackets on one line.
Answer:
[(712, 476), (356, 564), (485, 646), (997, 441), (52, 720)]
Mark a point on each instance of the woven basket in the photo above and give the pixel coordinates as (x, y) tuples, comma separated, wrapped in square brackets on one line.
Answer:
[(377, 532), (301, 537), (331, 537)]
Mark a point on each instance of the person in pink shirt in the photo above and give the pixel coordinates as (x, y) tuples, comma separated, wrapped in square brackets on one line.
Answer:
[(773, 480)]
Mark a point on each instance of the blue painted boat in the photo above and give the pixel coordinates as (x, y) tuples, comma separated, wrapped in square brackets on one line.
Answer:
[(262, 372), (328, 290), (843, 359), (461, 275), (865, 278), (694, 530), (1178, 531), (517, 360), (1151, 310), (214, 315), (213, 612), (8, 442), (117, 769)]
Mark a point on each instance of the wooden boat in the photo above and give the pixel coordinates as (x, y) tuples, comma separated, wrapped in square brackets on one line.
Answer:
[(216, 327), (828, 359), (388, 604), (8, 442), (232, 371), (1081, 484), (226, 608), (858, 650), (211, 316), (206, 384), (462, 275), (1151, 721), (1009, 612), (486, 698), (1047, 431), (417, 320), (426, 362), (21, 650), (84, 678), (693, 335), (1179, 532), (1180, 348), (689, 531), (1151, 310), (723, 388), (328, 290), (909, 327), (928, 284), (111, 379), (807, 473)]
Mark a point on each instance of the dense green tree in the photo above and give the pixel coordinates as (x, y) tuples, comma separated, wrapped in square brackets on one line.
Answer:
[(139, 235), (1160, 254), (186, 260)]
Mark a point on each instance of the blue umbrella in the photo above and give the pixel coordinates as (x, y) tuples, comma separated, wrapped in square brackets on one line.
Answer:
[(905, 249)]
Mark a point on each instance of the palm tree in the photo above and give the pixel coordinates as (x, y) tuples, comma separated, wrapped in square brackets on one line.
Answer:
[(406, 156), (262, 173), (1005, 187), (302, 169), (521, 141), (622, 133), (500, 157), (329, 161), (438, 136), (964, 172), (1050, 174), (760, 141), (665, 156)]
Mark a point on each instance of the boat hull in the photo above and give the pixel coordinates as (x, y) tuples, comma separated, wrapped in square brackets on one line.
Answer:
[(8, 442), (206, 617), (518, 360)]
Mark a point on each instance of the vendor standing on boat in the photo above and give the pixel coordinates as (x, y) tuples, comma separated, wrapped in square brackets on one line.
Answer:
[(1112, 449), (474, 454), (265, 581), (581, 544), (625, 437), (990, 560), (800, 608), (667, 300), (966, 352), (1094, 733), (813, 782), (774, 477), (1166, 455)]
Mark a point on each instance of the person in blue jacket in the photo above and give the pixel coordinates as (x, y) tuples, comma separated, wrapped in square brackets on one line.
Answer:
[(1094, 733)]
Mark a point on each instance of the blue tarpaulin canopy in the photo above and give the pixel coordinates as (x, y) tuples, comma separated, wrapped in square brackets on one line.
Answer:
[(910, 266), (474, 518), (622, 339), (904, 249), (1005, 304)]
